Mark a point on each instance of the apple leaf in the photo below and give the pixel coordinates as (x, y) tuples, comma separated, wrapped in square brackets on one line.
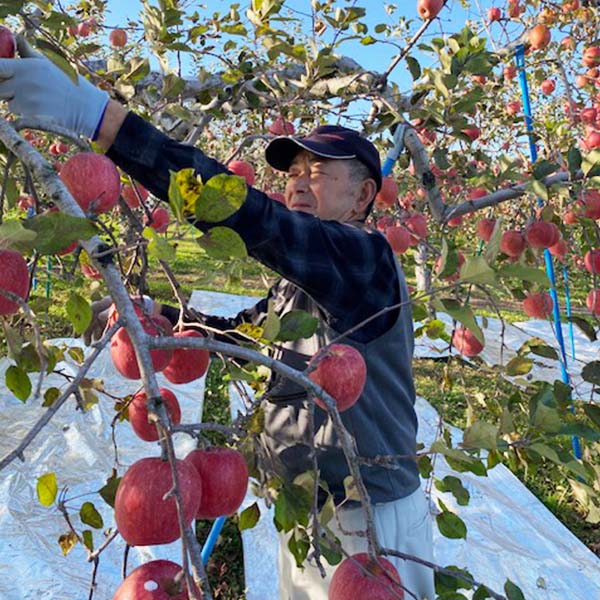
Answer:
[(523, 273), (47, 489), (90, 516), (297, 324), (574, 159), (454, 485), (57, 230), (547, 419), (109, 490), (88, 539), (138, 69), (50, 396), (299, 545), (222, 243), (184, 191), (590, 161), (586, 328), (543, 168), (220, 197), (414, 67), (518, 366), (493, 246), (591, 372), (292, 506), (446, 585), (67, 541), (18, 382), (12, 233), (272, 324), (172, 86), (480, 435), (351, 489), (425, 466), (79, 312), (482, 593), (512, 591), (249, 517), (463, 314), (476, 270), (448, 259), (592, 411), (450, 524)]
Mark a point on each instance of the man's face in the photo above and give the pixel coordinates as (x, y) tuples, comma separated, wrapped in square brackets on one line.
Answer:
[(322, 187)]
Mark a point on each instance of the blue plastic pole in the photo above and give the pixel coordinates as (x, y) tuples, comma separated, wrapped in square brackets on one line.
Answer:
[(520, 60), (211, 540)]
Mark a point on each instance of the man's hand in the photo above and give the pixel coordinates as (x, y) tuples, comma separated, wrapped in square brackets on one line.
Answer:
[(35, 87)]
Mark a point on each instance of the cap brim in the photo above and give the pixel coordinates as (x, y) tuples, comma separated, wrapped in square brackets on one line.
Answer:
[(282, 150)]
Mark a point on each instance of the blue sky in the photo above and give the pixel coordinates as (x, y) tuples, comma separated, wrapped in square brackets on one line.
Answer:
[(376, 57)]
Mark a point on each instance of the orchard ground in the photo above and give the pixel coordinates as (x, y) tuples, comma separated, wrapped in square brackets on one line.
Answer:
[(451, 386)]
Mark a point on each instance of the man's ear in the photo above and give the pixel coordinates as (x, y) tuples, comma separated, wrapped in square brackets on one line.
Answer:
[(368, 191)]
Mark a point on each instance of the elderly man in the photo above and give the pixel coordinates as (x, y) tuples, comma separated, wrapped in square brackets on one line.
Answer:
[(331, 265)]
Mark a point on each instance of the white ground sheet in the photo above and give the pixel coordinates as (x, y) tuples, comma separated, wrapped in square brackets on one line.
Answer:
[(510, 533)]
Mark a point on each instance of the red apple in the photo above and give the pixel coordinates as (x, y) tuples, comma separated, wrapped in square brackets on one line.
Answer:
[(138, 414), (224, 477), (494, 14), (542, 234), (25, 202), (429, 9), (593, 302), (154, 580), (14, 277), (187, 364), (592, 140), (559, 249), (538, 306), (123, 354), (159, 220), (512, 243), (539, 37), (588, 115), (281, 127), (131, 198), (90, 271), (547, 86), (7, 43), (399, 238), (591, 260), (342, 372), (591, 56), (388, 194), (83, 29), (471, 132), (416, 223), (118, 38), (513, 107), (93, 181), (485, 228), (358, 578), (143, 516), (243, 169), (510, 72), (465, 342)]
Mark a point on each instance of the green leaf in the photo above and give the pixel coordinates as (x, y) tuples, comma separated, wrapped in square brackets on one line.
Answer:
[(158, 247), (463, 314), (543, 350), (297, 324), (291, 507), (419, 312), (592, 411), (451, 525), (543, 168), (47, 489), (249, 517), (272, 324), (585, 327), (476, 270), (547, 418), (220, 197), (175, 197), (512, 591), (298, 545), (18, 382), (591, 372), (109, 490), (79, 312), (350, 489), (546, 451), (448, 259), (172, 86), (539, 189), (480, 435), (67, 541), (414, 67), (574, 159), (50, 396), (518, 365), (523, 273), (57, 230), (12, 233), (434, 328), (138, 69), (222, 243), (425, 466), (90, 516), (88, 539), (454, 485), (493, 246), (590, 161)]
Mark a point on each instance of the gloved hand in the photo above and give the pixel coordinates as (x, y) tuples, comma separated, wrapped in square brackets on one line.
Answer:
[(35, 87)]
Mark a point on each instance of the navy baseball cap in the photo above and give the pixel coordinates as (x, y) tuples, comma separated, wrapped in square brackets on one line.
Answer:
[(328, 141)]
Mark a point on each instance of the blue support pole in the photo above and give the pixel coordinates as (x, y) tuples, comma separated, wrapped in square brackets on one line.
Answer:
[(211, 540), (520, 60)]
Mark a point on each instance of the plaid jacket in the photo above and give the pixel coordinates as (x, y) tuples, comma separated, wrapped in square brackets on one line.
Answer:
[(348, 270)]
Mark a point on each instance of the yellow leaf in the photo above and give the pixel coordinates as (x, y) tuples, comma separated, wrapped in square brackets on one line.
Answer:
[(47, 489)]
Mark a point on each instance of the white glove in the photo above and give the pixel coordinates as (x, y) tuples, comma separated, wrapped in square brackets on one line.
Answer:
[(35, 87)]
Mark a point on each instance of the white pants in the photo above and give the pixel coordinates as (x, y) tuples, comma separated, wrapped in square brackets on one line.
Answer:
[(404, 525)]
